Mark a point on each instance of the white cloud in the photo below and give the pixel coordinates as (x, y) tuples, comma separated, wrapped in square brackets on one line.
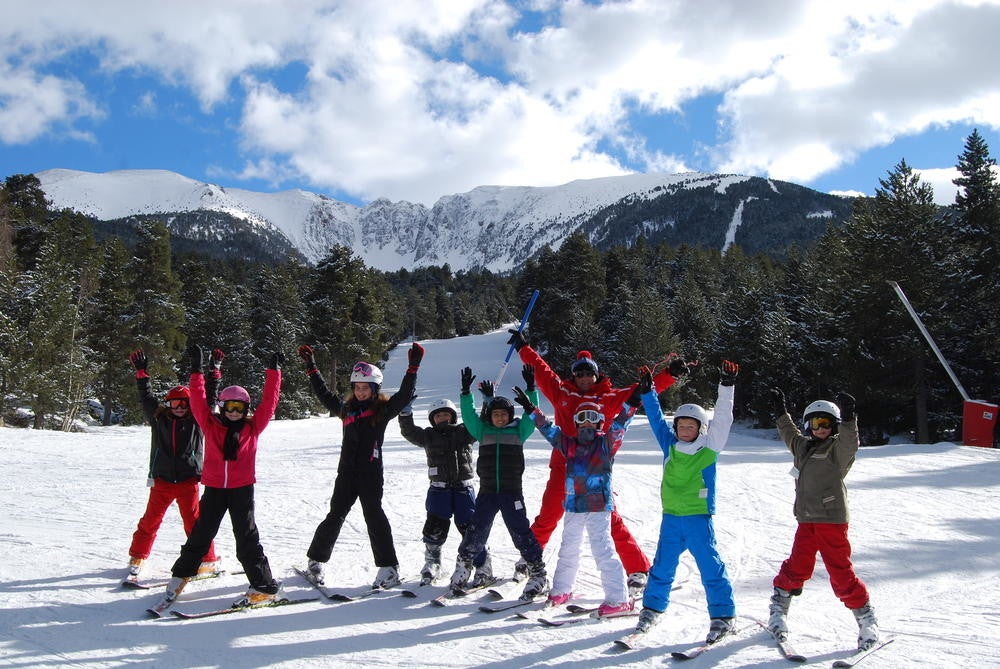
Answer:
[(941, 180), (862, 81), (389, 108), (31, 104)]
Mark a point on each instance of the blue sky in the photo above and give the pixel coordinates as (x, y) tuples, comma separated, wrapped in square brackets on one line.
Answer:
[(413, 100)]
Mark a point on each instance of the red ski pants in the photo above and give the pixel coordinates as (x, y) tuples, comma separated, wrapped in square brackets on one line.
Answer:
[(830, 541), (632, 557), (161, 496)]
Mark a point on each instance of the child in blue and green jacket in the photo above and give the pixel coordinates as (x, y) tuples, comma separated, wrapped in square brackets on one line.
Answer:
[(500, 467), (691, 447)]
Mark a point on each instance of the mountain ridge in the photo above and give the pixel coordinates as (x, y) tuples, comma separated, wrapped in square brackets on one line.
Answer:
[(492, 227)]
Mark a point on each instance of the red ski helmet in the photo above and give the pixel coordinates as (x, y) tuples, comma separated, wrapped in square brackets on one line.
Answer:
[(178, 393)]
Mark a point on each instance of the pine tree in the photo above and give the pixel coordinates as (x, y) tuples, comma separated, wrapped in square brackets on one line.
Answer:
[(277, 321), (157, 312), (891, 237), (108, 334), (56, 367), (567, 313), (11, 334), (976, 279)]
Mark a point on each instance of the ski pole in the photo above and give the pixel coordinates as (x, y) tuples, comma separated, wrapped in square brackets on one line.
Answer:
[(524, 321)]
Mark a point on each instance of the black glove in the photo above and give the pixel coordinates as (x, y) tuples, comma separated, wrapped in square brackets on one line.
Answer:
[(728, 372), (276, 361), (467, 379), (645, 380), (678, 368), (528, 373), (414, 356), (778, 401), (521, 398), (408, 409), (138, 360), (486, 388), (195, 356), (847, 406), (306, 353), (517, 339)]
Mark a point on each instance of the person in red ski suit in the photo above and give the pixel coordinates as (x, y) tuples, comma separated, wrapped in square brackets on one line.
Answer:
[(175, 456), (586, 384)]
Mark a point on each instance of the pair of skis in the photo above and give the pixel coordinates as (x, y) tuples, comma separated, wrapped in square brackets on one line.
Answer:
[(353, 596), (638, 639)]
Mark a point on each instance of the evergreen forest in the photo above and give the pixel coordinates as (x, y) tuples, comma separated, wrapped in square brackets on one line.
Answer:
[(75, 300)]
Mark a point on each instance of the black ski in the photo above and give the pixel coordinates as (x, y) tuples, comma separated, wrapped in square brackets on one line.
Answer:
[(631, 641), (695, 651), (859, 655), (235, 609), (134, 583), (457, 594), (335, 596), (583, 615), (505, 605), (783, 645)]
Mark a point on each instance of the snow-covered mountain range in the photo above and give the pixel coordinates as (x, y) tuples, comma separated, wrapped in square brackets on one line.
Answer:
[(496, 227)]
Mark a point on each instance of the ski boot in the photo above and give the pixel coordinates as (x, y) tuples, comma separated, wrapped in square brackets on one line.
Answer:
[(648, 618), (867, 626), (538, 582), (387, 577), (718, 628), (315, 570)]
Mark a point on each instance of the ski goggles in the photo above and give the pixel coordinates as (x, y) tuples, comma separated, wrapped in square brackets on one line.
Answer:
[(177, 404), (234, 406), (588, 416), (820, 423), (584, 371), (363, 368)]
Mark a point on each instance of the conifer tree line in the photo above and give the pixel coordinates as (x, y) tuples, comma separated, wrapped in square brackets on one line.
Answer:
[(822, 320)]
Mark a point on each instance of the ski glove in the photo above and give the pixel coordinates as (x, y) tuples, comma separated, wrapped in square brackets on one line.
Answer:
[(139, 361), (306, 353), (486, 388), (467, 379), (778, 401), (414, 356), (517, 339), (728, 372), (195, 356), (678, 368), (276, 361), (217, 357), (847, 406), (521, 398), (528, 373), (645, 380)]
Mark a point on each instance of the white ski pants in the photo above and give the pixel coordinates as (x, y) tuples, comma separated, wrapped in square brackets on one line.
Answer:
[(598, 527)]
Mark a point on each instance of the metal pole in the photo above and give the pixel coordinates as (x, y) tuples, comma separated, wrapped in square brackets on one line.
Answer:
[(927, 336)]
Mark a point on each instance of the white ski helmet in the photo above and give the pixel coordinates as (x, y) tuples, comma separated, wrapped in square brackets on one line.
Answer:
[(692, 411), (365, 372), (443, 405), (821, 406)]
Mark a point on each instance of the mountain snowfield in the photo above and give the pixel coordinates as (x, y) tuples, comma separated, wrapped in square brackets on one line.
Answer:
[(462, 230), (925, 531)]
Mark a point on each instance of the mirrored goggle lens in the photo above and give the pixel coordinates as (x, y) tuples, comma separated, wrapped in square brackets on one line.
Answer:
[(820, 423), (363, 368), (177, 404), (234, 406), (588, 416), (584, 372)]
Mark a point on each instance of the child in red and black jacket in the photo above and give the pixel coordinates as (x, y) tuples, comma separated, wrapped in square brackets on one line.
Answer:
[(176, 451)]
